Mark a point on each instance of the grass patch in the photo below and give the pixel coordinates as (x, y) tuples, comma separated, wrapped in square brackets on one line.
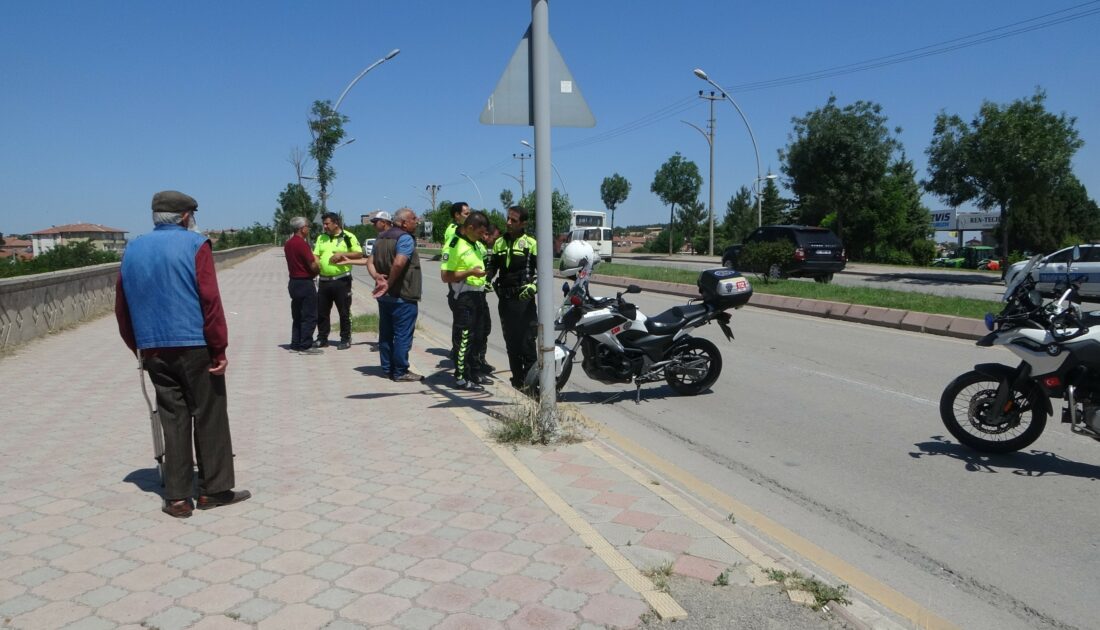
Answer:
[(518, 424), (822, 592), (723, 579), (886, 298), (660, 576), (364, 323)]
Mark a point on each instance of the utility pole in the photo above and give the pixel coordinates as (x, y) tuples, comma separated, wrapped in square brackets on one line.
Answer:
[(433, 188), (710, 140), (522, 157)]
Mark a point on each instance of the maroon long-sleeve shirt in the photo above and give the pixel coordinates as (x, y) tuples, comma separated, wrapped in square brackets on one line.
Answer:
[(213, 315)]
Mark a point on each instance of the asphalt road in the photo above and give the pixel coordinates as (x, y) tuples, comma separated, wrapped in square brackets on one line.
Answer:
[(832, 430), (947, 282)]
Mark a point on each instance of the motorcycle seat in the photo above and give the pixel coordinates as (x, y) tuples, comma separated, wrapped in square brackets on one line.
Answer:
[(674, 319)]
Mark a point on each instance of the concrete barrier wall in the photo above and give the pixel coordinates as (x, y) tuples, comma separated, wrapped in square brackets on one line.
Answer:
[(36, 305)]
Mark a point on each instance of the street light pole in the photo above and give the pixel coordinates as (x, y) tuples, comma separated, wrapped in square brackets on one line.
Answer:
[(562, 181), (703, 75), (475, 188), (389, 55)]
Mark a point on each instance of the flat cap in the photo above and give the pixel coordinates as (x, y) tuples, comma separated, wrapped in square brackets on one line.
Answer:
[(173, 201)]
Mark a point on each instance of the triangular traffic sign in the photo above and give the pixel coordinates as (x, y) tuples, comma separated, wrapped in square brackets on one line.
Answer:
[(510, 102)]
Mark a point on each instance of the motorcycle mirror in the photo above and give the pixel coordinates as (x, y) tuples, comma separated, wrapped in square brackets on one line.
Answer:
[(565, 288), (633, 288)]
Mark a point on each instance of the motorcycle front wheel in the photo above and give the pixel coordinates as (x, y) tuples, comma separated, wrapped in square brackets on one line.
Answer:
[(965, 410), (697, 364)]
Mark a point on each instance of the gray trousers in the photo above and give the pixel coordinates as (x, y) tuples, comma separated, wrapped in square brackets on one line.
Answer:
[(192, 404)]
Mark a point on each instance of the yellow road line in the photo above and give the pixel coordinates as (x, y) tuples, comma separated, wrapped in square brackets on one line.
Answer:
[(662, 603), (846, 572)]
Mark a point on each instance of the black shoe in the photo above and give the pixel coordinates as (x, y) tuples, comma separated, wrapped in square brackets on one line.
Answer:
[(482, 379), (343, 345), (469, 386), (229, 497), (310, 351), (408, 377), (320, 344), (488, 369)]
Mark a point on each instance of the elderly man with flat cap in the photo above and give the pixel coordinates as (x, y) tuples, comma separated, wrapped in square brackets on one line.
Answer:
[(170, 313)]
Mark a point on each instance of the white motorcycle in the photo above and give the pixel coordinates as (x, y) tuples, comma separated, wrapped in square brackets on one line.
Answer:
[(998, 408), (619, 344)]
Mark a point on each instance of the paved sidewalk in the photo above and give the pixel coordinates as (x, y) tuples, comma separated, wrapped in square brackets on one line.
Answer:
[(376, 504)]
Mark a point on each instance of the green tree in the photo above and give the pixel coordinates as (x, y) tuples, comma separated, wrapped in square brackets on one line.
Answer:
[(836, 161), (560, 206), (693, 220), (613, 191), (294, 201), (440, 218), (1008, 156), (677, 182), (661, 244), (740, 219), (1066, 216), (326, 125), (506, 199), (773, 208), (67, 256), (900, 227)]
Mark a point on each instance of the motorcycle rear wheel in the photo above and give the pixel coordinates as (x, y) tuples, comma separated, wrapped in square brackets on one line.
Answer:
[(695, 355), (965, 404)]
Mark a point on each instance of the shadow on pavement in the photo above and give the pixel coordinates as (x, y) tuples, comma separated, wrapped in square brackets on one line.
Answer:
[(147, 480), (1033, 463)]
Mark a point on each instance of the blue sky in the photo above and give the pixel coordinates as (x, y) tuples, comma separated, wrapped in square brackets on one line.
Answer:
[(105, 103)]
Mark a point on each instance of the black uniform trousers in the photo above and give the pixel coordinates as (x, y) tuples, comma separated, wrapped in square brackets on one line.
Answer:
[(336, 292), (519, 322), (191, 402), (485, 322), (471, 309), (303, 312)]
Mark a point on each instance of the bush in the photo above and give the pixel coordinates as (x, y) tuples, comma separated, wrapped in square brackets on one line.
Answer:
[(68, 256), (659, 245), (769, 260), (641, 249), (923, 252)]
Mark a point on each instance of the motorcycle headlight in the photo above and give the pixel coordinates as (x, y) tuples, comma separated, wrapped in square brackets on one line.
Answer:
[(989, 321)]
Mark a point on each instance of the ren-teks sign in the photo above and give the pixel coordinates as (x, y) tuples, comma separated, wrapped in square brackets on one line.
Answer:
[(951, 220)]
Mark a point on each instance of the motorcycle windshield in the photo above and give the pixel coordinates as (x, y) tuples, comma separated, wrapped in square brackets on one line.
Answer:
[(1024, 273)]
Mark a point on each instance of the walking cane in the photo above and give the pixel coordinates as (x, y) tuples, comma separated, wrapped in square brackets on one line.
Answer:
[(154, 421)]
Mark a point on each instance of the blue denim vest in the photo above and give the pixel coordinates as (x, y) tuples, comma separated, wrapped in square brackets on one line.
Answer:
[(158, 276)]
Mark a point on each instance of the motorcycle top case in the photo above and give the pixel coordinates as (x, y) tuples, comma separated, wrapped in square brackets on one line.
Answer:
[(724, 288)]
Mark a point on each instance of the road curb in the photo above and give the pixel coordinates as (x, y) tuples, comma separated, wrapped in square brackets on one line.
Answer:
[(914, 321)]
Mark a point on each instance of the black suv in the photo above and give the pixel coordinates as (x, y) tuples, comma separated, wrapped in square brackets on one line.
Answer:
[(818, 253)]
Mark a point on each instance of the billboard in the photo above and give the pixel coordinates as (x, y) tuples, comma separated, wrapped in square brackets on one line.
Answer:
[(950, 220)]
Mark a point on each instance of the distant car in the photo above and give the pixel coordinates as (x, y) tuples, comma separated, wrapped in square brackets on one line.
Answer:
[(368, 247), (818, 253), (1052, 268)]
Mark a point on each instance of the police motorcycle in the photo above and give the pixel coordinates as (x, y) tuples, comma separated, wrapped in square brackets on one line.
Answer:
[(620, 344), (997, 408)]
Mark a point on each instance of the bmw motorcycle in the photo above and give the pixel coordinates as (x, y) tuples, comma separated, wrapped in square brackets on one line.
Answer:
[(619, 344), (999, 408)]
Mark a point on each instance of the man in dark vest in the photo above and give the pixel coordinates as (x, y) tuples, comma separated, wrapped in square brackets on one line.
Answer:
[(395, 266), (169, 311)]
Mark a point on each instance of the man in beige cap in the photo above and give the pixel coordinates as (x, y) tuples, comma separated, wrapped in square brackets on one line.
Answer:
[(170, 313)]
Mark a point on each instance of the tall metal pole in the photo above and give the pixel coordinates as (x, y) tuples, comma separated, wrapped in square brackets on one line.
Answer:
[(389, 55), (540, 101), (522, 157), (433, 188), (703, 75), (477, 189), (710, 248)]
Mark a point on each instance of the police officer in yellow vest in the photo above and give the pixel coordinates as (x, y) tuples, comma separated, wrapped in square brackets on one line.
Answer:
[(459, 211), (334, 286), (513, 264), (464, 270)]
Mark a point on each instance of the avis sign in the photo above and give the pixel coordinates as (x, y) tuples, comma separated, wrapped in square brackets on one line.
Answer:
[(970, 221)]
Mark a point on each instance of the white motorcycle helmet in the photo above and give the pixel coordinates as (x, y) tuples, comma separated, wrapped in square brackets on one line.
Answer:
[(576, 256)]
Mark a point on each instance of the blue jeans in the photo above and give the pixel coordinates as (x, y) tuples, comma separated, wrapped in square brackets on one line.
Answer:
[(396, 322)]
